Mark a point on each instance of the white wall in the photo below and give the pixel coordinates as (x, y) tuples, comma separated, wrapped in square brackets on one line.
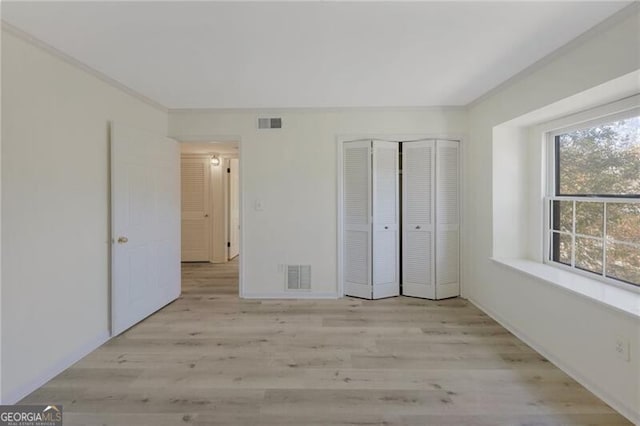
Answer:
[(293, 173), (511, 210), (1, 399), (576, 333), (55, 210)]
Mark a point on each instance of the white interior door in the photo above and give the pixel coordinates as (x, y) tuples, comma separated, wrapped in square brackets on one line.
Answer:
[(145, 225), (195, 218), (447, 219), (234, 208), (386, 238), (356, 219), (418, 218)]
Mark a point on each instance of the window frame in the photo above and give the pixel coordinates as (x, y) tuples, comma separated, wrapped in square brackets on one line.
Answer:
[(552, 171)]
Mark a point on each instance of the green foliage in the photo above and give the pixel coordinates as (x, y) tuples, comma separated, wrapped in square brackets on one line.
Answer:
[(601, 160)]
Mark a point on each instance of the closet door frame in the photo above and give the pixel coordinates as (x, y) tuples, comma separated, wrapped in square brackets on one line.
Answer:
[(409, 137)]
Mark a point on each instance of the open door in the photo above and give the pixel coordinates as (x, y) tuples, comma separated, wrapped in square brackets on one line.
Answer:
[(234, 208), (145, 225)]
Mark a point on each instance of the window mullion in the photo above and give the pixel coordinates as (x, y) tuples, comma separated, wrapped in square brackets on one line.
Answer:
[(604, 240), (573, 237)]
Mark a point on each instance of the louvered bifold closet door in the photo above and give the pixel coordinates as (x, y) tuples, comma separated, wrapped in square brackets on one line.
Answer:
[(386, 238), (418, 218), (447, 219), (196, 228), (357, 219)]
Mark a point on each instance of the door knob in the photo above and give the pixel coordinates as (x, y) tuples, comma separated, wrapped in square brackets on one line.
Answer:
[(418, 227), (122, 240), (206, 215), (386, 227)]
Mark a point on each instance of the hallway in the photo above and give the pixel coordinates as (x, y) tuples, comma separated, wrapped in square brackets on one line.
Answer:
[(202, 279), (212, 358)]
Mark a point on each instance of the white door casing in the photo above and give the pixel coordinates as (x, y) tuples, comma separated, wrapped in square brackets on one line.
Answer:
[(145, 225), (196, 218)]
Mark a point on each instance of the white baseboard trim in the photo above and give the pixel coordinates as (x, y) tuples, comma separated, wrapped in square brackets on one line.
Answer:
[(15, 395), (623, 409), (290, 295)]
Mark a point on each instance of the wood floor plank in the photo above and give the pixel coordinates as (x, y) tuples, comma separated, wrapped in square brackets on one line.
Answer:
[(211, 358)]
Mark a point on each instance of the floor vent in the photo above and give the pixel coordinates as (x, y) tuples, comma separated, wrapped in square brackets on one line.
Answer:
[(298, 277), (270, 123)]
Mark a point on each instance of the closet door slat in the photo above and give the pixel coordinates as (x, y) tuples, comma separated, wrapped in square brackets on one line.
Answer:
[(357, 219), (418, 194), (386, 238)]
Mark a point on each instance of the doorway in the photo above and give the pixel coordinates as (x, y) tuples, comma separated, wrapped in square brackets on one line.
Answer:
[(210, 212)]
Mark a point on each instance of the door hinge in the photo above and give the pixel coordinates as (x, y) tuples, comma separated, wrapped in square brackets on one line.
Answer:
[(229, 245), (228, 170)]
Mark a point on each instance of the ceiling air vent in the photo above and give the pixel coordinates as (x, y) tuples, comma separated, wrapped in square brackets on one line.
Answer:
[(270, 123), (298, 277)]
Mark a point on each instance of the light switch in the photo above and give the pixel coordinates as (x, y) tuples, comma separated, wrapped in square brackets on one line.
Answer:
[(259, 206)]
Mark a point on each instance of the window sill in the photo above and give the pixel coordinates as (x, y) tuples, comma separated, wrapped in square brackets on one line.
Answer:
[(617, 298)]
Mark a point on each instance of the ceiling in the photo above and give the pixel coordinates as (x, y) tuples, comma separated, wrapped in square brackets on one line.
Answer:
[(218, 148), (307, 54)]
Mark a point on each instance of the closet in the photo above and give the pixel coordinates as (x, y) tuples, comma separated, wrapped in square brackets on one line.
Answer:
[(195, 198), (401, 225), (371, 219)]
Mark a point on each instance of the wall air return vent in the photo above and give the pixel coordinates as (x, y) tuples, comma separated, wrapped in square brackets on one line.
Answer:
[(298, 277), (269, 123)]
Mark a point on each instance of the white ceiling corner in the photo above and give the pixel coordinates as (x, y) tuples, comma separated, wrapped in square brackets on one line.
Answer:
[(307, 54)]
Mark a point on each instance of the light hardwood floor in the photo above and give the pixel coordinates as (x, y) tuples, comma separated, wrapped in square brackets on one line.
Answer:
[(211, 358)]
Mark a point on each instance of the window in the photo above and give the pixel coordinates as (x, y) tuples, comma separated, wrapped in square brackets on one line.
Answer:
[(594, 203)]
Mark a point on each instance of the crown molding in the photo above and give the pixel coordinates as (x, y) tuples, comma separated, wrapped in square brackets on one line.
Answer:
[(284, 110), (80, 65)]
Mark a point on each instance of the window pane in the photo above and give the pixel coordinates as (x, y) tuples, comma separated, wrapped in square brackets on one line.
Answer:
[(623, 222), (589, 218), (561, 248), (562, 216), (589, 254), (623, 262), (600, 160)]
